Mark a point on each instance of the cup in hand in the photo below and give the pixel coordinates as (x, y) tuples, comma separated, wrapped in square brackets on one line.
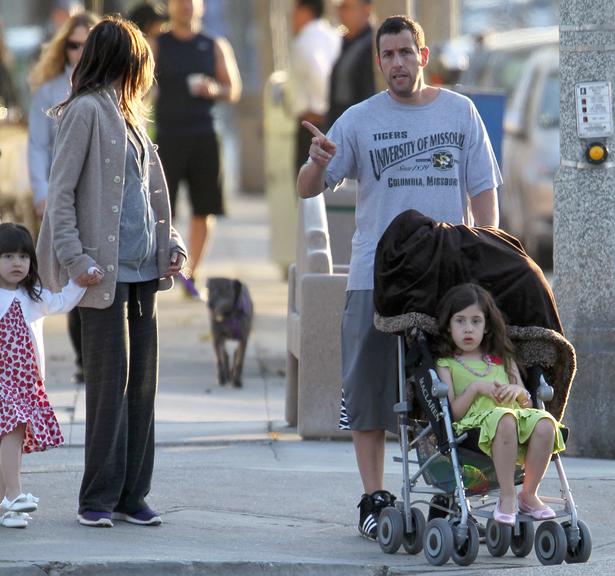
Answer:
[(195, 81)]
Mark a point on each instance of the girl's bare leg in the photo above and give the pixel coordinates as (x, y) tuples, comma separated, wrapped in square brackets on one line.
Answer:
[(10, 461), (504, 451), (537, 461)]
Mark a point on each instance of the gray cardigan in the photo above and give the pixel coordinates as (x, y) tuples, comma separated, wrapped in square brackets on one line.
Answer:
[(81, 226)]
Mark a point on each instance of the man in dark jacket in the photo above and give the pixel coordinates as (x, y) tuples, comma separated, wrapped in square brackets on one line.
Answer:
[(352, 77)]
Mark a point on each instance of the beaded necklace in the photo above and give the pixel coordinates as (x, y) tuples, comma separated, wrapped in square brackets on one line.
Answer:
[(486, 359)]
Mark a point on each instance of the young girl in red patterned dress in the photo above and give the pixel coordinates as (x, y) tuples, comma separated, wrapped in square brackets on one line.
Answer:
[(27, 421)]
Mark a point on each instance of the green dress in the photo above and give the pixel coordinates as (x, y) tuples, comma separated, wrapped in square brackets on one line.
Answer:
[(485, 414)]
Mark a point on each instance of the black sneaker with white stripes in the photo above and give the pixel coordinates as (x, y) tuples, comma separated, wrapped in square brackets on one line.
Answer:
[(369, 511)]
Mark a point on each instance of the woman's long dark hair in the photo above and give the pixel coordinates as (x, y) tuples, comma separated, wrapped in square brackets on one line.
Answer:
[(115, 50), (17, 238), (495, 340)]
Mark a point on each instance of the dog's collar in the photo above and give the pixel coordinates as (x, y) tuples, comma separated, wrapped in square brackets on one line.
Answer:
[(241, 310)]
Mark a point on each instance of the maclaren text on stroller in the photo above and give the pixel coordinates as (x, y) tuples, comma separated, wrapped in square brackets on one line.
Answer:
[(417, 261)]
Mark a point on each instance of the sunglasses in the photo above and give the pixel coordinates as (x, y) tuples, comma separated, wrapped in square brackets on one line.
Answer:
[(72, 45)]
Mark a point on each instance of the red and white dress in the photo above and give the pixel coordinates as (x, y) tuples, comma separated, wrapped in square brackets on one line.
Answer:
[(23, 399)]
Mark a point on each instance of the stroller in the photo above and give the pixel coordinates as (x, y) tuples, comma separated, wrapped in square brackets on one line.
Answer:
[(417, 261)]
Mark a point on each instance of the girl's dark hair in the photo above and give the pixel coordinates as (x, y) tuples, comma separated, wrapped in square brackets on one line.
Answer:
[(495, 341), (16, 238), (115, 50)]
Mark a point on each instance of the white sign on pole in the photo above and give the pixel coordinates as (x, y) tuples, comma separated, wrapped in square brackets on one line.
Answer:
[(594, 109)]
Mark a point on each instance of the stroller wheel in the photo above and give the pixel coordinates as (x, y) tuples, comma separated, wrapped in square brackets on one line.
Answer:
[(498, 538), (438, 543), (550, 543), (464, 553), (583, 549), (390, 530), (522, 544), (413, 541)]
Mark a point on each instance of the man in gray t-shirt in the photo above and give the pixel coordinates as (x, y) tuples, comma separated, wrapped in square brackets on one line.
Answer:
[(411, 146)]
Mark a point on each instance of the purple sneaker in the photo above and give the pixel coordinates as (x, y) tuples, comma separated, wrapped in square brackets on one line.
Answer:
[(95, 518), (144, 517)]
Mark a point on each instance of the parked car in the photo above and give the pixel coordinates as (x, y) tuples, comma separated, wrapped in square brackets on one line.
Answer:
[(498, 59), (531, 155), (524, 65)]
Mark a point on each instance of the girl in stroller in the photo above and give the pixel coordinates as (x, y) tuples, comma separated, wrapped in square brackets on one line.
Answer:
[(486, 391)]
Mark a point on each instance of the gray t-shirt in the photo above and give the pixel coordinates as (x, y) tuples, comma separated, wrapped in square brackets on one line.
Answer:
[(430, 158)]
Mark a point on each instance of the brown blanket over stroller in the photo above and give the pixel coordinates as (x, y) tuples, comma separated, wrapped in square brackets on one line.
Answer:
[(419, 259)]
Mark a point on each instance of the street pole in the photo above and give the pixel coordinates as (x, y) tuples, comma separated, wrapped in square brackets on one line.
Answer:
[(96, 6), (584, 220), (384, 8), (440, 20)]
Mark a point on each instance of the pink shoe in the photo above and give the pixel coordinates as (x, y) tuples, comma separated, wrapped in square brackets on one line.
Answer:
[(543, 512), (502, 517)]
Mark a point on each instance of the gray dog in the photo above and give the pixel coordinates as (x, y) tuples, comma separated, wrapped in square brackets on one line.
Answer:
[(231, 311)]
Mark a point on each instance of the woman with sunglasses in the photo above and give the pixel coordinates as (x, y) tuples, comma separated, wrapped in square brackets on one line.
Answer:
[(50, 81), (108, 210)]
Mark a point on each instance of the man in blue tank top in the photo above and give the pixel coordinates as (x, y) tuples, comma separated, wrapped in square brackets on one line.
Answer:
[(193, 72)]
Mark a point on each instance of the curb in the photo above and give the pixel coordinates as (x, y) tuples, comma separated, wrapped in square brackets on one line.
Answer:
[(198, 568), (203, 568)]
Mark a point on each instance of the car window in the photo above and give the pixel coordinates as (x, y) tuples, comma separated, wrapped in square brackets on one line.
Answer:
[(548, 116), (502, 70), (505, 70)]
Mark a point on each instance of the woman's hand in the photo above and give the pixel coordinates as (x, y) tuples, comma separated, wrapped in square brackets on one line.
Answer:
[(177, 263), (39, 207), (93, 276)]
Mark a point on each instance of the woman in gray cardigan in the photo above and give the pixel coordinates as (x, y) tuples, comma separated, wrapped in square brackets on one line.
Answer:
[(108, 209)]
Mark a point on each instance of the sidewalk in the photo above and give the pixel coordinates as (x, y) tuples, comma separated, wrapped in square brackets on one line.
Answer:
[(191, 407), (239, 492)]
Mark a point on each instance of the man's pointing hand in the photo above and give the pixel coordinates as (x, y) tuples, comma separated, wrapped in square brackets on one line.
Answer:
[(321, 149)]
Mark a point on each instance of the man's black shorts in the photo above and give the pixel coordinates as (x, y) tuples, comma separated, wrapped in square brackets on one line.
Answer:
[(194, 158)]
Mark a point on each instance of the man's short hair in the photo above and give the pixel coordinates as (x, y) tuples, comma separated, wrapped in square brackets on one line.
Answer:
[(397, 24), (146, 14), (316, 6)]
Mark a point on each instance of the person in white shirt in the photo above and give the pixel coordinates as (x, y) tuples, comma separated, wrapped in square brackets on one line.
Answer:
[(315, 48)]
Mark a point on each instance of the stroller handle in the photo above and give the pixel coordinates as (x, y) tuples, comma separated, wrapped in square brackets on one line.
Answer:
[(438, 388), (545, 391)]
